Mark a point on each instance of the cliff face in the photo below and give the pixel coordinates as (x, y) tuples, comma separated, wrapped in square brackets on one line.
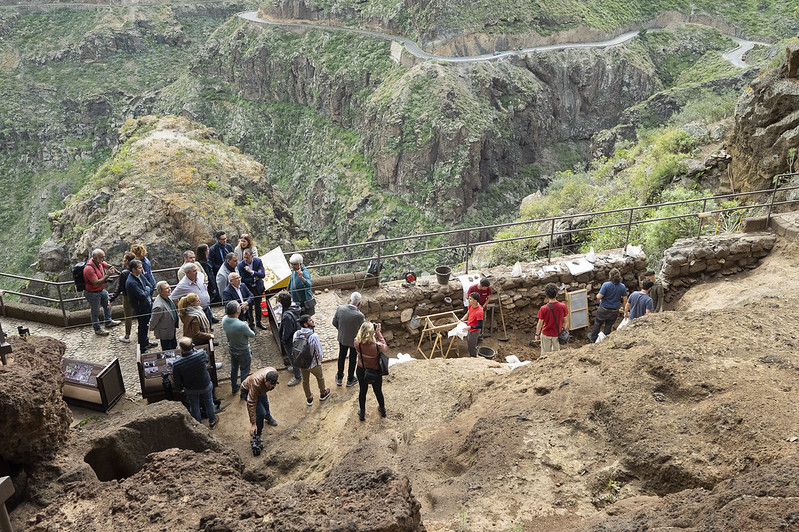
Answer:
[(170, 185), (436, 134), (767, 126)]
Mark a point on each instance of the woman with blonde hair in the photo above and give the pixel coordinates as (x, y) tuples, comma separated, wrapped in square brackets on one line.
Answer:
[(245, 242), (140, 250), (369, 342), (195, 323)]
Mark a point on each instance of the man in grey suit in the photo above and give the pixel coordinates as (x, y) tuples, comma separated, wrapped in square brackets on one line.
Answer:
[(164, 319), (348, 320)]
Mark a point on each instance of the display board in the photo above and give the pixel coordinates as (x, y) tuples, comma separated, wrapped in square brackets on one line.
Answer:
[(577, 303), (92, 385), (155, 366)]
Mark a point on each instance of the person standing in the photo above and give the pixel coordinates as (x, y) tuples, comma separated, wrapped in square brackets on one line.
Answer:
[(218, 252), (127, 310), (238, 344), (289, 324), (483, 288), (190, 373), (639, 303), (189, 259), (612, 297), (164, 318), (228, 267), (192, 283), (474, 319), (656, 293), (300, 285), (245, 242), (139, 293), (550, 320), (252, 274), (140, 251), (95, 274), (369, 343), (347, 320), (195, 323), (237, 291), (210, 277), (307, 331), (256, 387)]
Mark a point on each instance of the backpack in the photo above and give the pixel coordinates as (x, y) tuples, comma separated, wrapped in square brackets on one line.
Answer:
[(77, 276), (301, 350), (289, 323)]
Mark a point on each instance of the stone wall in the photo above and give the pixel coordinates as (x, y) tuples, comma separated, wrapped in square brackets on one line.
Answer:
[(396, 303), (691, 260)]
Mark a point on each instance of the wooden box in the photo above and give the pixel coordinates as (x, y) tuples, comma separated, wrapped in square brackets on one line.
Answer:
[(92, 385)]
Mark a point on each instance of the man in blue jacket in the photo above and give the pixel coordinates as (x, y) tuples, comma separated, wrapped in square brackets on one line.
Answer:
[(218, 252), (139, 291), (252, 274), (190, 373)]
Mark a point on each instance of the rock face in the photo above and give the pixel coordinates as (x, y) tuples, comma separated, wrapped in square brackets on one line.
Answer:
[(767, 126), (35, 420), (171, 185)]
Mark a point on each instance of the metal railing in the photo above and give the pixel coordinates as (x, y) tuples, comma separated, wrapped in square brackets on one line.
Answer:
[(466, 244)]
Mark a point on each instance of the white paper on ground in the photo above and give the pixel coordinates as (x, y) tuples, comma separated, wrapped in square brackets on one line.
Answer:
[(401, 357), (624, 322), (513, 362), (600, 337)]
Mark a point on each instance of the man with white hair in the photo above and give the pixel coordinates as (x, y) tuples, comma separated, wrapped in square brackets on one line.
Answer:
[(348, 320), (95, 274), (300, 285), (164, 319), (190, 258), (192, 283), (238, 292)]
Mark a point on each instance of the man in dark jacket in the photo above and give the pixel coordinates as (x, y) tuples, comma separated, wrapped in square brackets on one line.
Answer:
[(238, 292), (190, 373), (218, 252), (252, 274), (289, 324), (348, 320), (139, 296)]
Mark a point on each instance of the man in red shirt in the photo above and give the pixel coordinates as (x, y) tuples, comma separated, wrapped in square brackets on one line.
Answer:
[(483, 288), (550, 320), (96, 273), (474, 319)]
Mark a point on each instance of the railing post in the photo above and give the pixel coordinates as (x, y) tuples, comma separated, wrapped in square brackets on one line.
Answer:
[(629, 226), (701, 219), (379, 268), (551, 241), (467, 252), (61, 304), (771, 203)]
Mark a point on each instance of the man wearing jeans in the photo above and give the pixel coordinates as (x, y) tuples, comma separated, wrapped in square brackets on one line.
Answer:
[(190, 373), (256, 386), (96, 273), (238, 344)]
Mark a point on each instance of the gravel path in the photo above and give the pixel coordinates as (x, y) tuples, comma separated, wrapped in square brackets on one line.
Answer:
[(83, 344)]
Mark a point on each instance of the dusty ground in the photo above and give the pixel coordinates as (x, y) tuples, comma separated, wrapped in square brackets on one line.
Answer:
[(688, 419)]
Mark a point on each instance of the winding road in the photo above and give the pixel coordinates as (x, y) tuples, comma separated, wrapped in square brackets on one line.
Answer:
[(735, 56)]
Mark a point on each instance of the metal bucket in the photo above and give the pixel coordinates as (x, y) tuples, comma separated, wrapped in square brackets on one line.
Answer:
[(442, 274)]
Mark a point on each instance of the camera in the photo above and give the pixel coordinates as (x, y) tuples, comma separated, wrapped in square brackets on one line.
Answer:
[(256, 445)]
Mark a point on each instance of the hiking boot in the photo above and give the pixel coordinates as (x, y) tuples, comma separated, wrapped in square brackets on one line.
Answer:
[(101, 332), (212, 424), (112, 323), (382, 410), (325, 395), (235, 389), (152, 344), (360, 415), (124, 339), (339, 378), (309, 401), (351, 381), (271, 421), (294, 381)]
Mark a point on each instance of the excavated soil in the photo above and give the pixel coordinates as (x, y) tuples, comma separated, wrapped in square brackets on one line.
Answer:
[(686, 419)]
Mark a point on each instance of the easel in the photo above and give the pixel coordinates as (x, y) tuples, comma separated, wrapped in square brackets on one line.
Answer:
[(438, 341)]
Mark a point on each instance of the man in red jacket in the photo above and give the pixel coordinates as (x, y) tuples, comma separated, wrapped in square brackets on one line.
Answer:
[(96, 273), (550, 320)]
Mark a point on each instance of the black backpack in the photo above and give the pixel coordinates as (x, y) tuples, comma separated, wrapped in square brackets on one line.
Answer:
[(77, 276), (301, 349)]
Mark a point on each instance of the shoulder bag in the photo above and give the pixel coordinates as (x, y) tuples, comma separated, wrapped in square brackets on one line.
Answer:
[(563, 334)]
